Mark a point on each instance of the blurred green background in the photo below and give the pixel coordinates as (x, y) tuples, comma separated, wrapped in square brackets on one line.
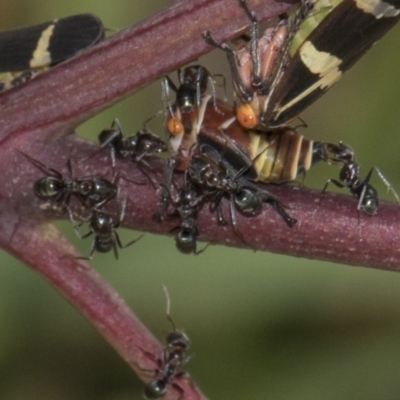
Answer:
[(263, 326)]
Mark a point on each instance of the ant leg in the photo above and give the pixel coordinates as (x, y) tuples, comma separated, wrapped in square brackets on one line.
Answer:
[(117, 242), (384, 180), (114, 245), (77, 226), (335, 182), (166, 198), (221, 221), (234, 221), (91, 254), (171, 84), (117, 177), (78, 233), (121, 246), (215, 206), (116, 125), (361, 197), (116, 130), (197, 252), (290, 222)]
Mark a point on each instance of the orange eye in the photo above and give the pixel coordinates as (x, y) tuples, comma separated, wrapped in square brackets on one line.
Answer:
[(174, 127), (246, 116)]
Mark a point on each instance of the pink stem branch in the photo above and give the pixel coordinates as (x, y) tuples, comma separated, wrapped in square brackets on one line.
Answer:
[(329, 227)]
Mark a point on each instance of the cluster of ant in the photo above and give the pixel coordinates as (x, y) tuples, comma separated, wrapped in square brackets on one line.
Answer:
[(223, 152), (95, 192), (227, 152)]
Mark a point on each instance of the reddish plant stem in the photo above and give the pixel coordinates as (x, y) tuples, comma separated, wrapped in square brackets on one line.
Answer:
[(45, 250), (329, 227)]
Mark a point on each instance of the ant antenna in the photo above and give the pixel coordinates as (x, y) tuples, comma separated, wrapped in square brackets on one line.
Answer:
[(164, 288)]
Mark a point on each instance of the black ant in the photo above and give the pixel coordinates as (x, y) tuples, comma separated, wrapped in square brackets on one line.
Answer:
[(184, 117), (349, 176), (216, 177), (103, 226), (90, 190), (188, 204), (193, 84), (165, 196), (135, 147), (172, 362), (138, 147)]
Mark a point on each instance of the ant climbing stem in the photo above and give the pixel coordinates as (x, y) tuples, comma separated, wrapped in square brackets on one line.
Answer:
[(194, 82), (90, 190), (104, 228), (170, 365), (187, 205), (138, 148), (349, 176)]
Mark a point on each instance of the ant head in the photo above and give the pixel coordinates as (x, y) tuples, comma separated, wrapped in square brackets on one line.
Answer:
[(178, 340)]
